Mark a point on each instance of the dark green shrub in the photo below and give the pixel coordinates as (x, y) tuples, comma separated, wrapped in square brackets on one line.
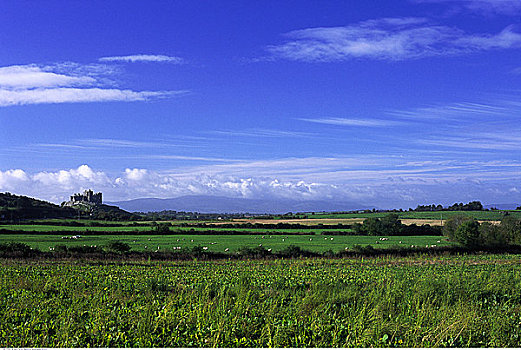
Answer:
[(117, 247)]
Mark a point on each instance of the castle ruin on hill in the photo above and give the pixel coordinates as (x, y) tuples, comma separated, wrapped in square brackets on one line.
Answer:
[(87, 197)]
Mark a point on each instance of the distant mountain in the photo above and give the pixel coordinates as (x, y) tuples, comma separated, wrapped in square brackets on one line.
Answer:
[(509, 206), (215, 204)]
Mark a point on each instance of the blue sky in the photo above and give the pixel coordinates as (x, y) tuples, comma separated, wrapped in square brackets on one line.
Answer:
[(382, 103)]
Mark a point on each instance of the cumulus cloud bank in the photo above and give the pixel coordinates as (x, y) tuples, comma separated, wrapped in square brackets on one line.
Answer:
[(390, 188)]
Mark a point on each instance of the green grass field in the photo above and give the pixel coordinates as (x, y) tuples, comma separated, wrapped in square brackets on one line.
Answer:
[(130, 229), (421, 301), (218, 243), (79, 229)]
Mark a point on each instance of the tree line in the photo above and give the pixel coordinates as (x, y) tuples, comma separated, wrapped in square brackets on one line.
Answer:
[(473, 234), (391, 225)]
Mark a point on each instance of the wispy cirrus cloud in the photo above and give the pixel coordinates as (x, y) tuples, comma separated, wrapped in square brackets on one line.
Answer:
[(66, 83), (73, 95), (259, 132), (144, 58), (499, 7), (504, 137), (33, 76), (454, 111), (388, 39), (366, 122)]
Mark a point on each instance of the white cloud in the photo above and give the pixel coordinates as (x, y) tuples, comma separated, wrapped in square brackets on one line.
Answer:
[(455, 111), (352, 122), (32, 76), (258, 132), (143, 58), (71, 179), (135, 174), (10, 180), (501, 7), (381, 181), (65, 83), (387, 39), (72, 95)]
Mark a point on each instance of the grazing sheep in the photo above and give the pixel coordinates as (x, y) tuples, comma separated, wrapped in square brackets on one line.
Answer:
[(269, 250), (205, 248), (331, 238), (227, 249)]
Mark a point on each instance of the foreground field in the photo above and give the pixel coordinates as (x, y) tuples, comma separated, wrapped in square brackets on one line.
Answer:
[(222, 243), (466, 301)]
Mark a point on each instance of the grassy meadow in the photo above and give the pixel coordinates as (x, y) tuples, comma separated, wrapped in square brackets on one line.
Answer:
[(422, 301), (219, 243)]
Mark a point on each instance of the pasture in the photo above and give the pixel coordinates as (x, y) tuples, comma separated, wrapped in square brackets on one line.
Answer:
[(219, 243), (173, 229), (421, 301)]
